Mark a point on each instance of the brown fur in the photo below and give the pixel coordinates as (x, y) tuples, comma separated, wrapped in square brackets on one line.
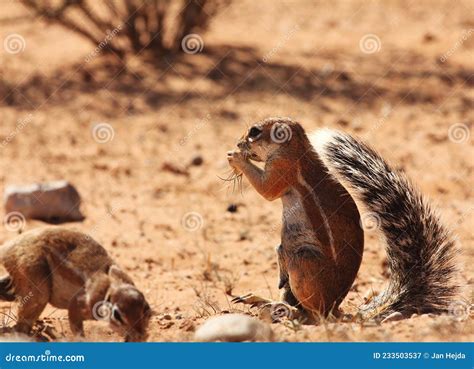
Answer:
[(69, 270), (322, 241)]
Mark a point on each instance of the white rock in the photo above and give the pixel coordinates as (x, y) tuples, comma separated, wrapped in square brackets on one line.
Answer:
[(15, 337), (393, 317), (234, 328), (52, 202)]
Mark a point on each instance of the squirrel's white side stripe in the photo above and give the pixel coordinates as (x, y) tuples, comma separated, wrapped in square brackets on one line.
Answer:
[(315, 197)]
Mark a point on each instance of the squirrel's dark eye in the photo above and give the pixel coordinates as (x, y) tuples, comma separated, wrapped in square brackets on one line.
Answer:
[(117, 316), (254, 133)]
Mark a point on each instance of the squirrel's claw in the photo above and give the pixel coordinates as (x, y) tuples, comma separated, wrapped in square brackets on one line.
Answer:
[(250, 299)]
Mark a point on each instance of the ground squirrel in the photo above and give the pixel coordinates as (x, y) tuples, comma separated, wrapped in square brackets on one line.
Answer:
[(69, 270), (322, 239)]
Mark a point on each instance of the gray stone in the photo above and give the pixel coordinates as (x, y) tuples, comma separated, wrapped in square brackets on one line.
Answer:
[(53, 202), (234, 328)]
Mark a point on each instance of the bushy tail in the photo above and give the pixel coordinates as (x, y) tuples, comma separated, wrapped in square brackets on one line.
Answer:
[(420, 250), (6, 289)]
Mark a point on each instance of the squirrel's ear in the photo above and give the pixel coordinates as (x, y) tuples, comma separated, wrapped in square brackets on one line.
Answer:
[(119, 275)]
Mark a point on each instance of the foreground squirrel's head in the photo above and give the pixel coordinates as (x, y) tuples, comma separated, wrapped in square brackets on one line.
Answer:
[(129, 311), (114, 298), (268, 136)]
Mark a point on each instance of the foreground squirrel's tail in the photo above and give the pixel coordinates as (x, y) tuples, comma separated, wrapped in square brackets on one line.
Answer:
[(420, 250)]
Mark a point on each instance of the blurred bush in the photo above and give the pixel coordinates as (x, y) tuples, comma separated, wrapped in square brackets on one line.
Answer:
[(129, 26)]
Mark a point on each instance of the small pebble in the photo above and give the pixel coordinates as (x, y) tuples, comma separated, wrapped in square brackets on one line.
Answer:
[(232, 208), (429, 37), (197, 161)]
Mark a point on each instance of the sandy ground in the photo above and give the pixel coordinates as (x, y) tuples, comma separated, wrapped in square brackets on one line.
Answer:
[(303, 59)]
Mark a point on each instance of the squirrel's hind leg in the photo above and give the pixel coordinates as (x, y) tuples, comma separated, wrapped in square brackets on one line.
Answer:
[(312, 281), (255, 300), (287, 296), (271, 310)]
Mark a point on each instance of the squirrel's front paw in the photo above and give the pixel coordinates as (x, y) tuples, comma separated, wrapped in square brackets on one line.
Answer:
[(236, 159)]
